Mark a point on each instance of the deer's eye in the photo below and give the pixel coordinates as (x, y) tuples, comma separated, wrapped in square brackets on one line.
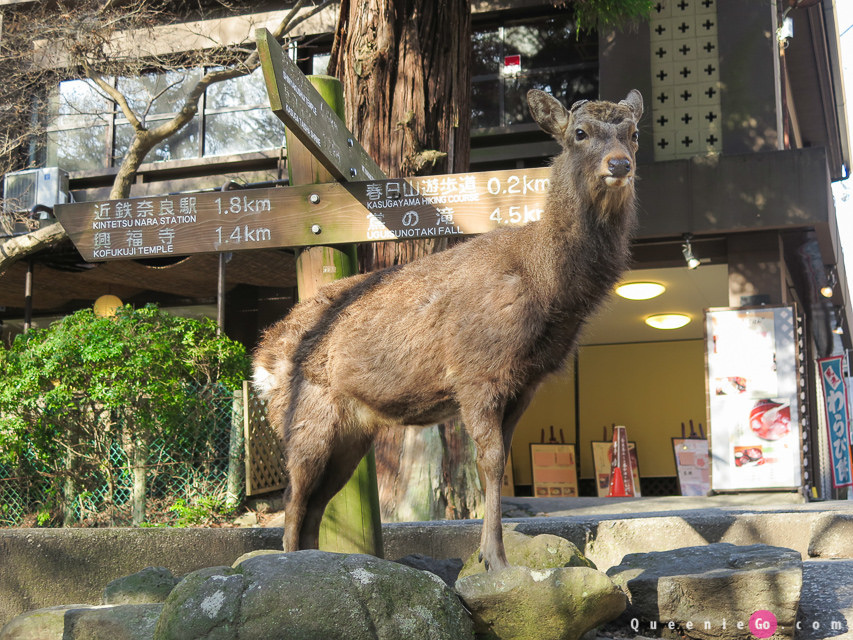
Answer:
[(635, 136), (580, 134)]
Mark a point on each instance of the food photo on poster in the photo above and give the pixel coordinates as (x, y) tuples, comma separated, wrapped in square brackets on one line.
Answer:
[(752, 387)]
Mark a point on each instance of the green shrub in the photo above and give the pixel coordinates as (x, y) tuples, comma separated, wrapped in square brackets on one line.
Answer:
[(70, 392)]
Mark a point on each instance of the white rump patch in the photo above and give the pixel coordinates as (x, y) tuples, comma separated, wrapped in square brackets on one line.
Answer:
[(263, 380)]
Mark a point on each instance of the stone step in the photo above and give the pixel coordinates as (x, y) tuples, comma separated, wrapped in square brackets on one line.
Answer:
[(45, 567), (606, 538), (826, 601)]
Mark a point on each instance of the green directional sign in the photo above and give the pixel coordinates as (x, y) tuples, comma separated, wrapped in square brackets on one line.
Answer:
[(309, 117)]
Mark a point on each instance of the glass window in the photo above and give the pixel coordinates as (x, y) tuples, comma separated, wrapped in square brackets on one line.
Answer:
[(245, 91), (182, 145), (158, 93), (487, 51), (77, 149), (77, 129), (242, 131), (237, 117), (78, 98), (553, 57)]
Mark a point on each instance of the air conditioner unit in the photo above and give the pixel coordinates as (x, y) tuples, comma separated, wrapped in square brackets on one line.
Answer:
[(24, 191)]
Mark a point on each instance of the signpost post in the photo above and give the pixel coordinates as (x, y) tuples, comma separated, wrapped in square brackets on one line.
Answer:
[(351, 522)]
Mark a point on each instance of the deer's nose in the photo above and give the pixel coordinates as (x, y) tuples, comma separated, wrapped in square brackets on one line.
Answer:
[(619, 167)]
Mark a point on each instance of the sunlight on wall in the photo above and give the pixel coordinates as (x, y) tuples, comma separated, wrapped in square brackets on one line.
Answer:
[(651, 388)]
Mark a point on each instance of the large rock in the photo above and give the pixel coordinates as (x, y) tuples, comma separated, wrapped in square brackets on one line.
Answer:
[(520, 603), (150, 585), (313, 594), (713, 591), (826, 602), (85, 622), (544, 551)]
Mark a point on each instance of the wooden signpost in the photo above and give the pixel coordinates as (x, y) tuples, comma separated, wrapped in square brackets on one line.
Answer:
[(363, 207), (313, 122), (308, 215)]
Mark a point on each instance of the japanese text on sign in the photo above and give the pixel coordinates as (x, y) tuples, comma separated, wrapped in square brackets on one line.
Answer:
[(835, 401), (423, 207)]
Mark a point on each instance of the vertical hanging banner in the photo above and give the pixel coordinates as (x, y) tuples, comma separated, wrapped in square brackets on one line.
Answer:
[(837, 414), (753, 409)]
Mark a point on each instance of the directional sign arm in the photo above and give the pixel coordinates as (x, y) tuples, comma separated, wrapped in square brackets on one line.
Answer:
[(306, 114), (320, 214)]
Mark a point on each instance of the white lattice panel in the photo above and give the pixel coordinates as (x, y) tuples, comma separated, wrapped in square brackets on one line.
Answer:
[(685, 78)]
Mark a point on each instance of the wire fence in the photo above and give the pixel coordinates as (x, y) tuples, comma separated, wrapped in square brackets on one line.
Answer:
[(123, 480)]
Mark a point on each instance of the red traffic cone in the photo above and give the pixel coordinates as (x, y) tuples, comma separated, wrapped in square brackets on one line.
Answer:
[(621, 473), (617, 485)]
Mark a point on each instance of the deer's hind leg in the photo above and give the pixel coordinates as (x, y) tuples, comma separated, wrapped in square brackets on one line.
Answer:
[(305, 467), (309, 433)]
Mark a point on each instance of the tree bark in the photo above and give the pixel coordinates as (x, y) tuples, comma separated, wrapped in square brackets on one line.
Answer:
[(404, 65)]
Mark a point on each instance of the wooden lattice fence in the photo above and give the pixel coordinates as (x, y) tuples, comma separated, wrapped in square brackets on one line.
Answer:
[(264, 457)]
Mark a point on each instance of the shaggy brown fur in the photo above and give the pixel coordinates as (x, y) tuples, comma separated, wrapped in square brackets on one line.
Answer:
[(468, 332)]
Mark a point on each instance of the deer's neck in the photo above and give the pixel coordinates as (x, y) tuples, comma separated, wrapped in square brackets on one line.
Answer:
[(586, 237)]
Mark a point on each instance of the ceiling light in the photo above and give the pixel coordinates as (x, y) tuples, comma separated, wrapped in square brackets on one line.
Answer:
[(668, 320), (831, 280), (687, 251), (640, 290), (839, 321)]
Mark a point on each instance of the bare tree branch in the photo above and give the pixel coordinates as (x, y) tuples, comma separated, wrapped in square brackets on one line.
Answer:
[(19, 247), (85, 32)]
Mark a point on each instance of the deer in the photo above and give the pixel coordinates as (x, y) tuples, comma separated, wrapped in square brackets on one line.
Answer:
[(470, 332)]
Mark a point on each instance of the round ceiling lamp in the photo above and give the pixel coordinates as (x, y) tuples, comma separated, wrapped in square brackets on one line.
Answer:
[(668, 320), (640, 290), (107, 305)]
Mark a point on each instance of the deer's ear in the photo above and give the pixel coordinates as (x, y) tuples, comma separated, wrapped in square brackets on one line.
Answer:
[(549, 114), (634, 101)]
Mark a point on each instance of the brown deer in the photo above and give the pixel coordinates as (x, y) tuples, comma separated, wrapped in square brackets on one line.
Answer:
[(468, 332)]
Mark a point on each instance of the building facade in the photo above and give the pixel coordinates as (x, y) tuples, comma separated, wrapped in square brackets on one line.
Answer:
[(743, 134)]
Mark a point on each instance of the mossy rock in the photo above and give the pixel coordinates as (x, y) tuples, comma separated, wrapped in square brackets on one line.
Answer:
[(541, 552), (313, 594), (520, 603), (151, 585)]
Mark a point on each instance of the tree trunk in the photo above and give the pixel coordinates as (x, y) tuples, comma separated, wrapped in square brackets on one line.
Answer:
[(72, 471), (135, 443), (404, 65)]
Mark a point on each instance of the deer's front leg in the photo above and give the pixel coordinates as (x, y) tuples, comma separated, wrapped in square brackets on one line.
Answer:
[(486, 430)]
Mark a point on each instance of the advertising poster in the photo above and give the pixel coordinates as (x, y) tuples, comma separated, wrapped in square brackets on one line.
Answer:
[(754, 422), (602, 456), (693, 466), (554, 470), (835, 401)]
